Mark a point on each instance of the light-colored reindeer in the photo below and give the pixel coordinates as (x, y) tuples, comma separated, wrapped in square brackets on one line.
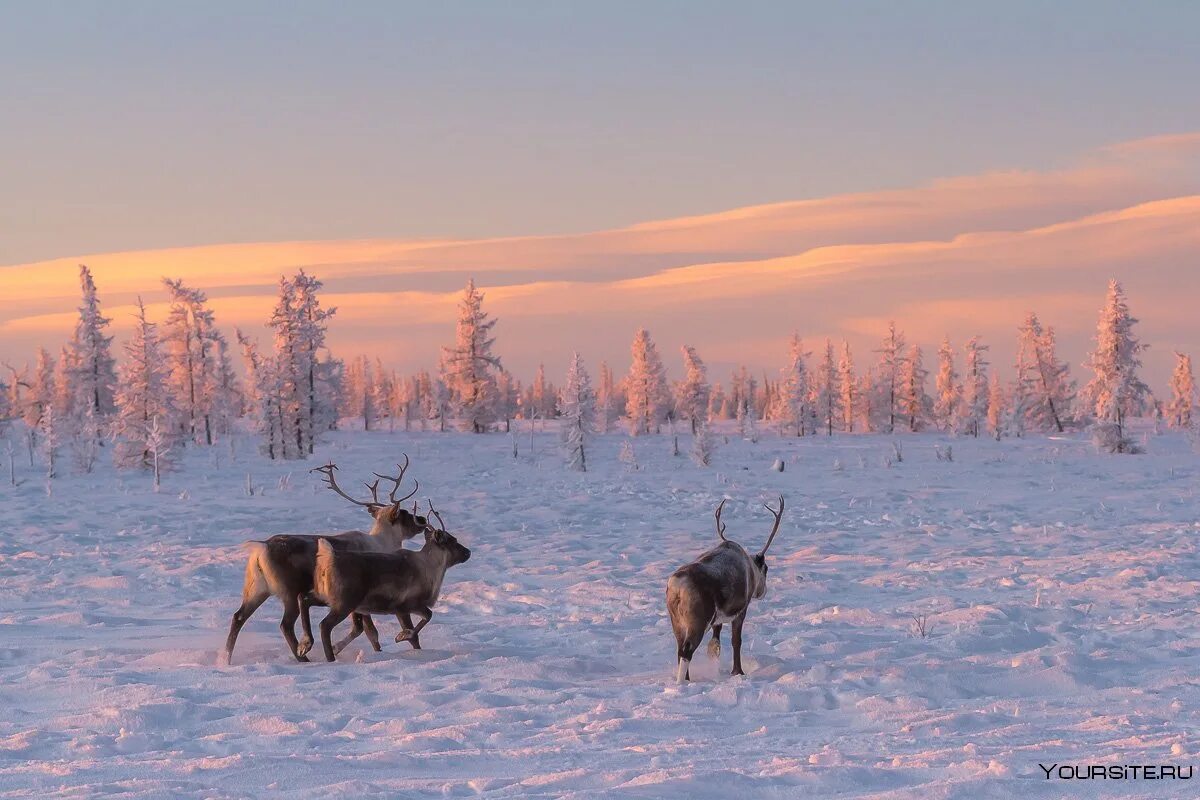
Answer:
[(283, 565), (714, 589)]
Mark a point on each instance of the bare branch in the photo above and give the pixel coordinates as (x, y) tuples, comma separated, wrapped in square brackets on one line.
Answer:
[(720, 525)]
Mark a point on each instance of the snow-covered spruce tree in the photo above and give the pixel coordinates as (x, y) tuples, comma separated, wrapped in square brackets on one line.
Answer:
[(92, 362), (792, 409), (847, 388), (358, 399), (716, 402), (914, 404), (1180, 409), (469, 364), (606, 411), (949, 392), (225, 393), (192, 348), (382, 393), (891, 361), (38, 397), (1115, 392), (311, 327), (868, 401), (973, 410), (507, 398), (691, 401), (264, 397), (577, 407), (647, 398), (144, 400), (828, 392), (997, 410), (703, 445), (1044, 390)]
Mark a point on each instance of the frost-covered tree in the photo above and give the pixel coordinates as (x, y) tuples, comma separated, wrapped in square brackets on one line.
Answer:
[(793, 408), (469, 364), (868, 400), (828, 392), (606, 399), (144, 400), (192, 348), (973, 411), (647, 398), (264, 397), (716, 402), (360, 395), (703, 445), (1044, 390), (913, 403), (691, 401), (1115, 391), (891, 361), (949, 392), (997, 410), (91, 358), (226, 401), (508, 396), (577, 407), (848, 388), (1180, 409)]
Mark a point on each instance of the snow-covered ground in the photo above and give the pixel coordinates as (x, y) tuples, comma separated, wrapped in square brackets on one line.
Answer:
[(1059, 587)]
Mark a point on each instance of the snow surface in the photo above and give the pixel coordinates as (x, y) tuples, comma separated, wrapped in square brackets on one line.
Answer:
[(1060, 587)]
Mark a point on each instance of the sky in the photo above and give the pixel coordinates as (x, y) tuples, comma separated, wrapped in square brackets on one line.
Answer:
[(721, 174)]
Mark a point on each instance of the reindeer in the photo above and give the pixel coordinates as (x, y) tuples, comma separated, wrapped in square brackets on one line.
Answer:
[(283, 565), (714, 589), (401, 583)]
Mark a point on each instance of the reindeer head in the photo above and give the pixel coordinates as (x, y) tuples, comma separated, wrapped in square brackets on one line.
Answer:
[(438, 538), (759, 559), (391, 518)]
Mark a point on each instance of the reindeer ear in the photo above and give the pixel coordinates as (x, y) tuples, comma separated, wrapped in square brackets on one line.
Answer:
[(374, 510), (398, 513)]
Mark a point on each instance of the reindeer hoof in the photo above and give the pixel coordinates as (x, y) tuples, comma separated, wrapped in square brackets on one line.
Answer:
[(737, 671), (304, 647), (404, 635), (714, 649)]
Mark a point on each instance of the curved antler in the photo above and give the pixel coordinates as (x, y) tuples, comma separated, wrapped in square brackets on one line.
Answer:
[(331, 482), (433, 513), (397, 480), (778, 516), (720, 526)]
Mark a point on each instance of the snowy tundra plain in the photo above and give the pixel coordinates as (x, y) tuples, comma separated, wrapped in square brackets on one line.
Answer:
[(1058, 588)]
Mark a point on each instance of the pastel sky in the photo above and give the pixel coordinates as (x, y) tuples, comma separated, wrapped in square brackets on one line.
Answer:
[(722, 174)]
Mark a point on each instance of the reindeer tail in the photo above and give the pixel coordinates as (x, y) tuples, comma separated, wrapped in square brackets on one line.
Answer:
[(260, 575), (324, 576)]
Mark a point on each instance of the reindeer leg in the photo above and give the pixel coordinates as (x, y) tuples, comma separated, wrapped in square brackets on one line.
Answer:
[(714, 644), (406, 633), (356, 628), (737, 643), (306, 642), (413, 634), (372, 632), (291, 610), (244, 612), (331, 621)]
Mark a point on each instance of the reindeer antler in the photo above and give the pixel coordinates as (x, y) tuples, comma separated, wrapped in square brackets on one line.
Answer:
[(778, 516), (433, 513), (397, 480), (331, 482), (720, 525)]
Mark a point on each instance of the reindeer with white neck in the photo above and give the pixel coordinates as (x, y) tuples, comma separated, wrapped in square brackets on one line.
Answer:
[(714, 589), (283, 565)]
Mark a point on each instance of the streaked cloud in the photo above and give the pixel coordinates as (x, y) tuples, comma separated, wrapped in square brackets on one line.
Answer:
[(959, 256)]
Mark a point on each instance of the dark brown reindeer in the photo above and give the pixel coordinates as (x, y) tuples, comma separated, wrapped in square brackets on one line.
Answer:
[(283, 565), (714, 589), (401, 583)]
